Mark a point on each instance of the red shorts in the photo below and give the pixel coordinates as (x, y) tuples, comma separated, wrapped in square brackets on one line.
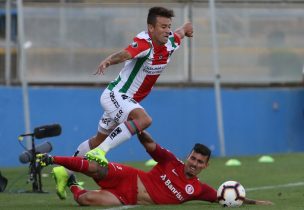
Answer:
[(122, 182)]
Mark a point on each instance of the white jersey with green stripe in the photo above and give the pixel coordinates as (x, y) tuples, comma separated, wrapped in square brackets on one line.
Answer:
[(140, 73)]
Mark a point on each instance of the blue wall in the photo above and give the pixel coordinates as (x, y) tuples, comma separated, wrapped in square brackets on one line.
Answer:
[(256, 121)]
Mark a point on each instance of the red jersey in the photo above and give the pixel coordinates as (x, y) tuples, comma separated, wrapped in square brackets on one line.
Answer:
[(166, 183)]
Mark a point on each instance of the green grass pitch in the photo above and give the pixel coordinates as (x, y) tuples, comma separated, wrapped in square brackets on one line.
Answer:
[(254, 176)]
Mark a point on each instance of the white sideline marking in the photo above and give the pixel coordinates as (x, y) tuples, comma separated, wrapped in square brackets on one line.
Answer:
[(120, 207), (296, 184)]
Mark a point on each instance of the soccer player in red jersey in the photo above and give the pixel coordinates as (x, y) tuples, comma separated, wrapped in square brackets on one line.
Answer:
[(145, 59), (171, 181)]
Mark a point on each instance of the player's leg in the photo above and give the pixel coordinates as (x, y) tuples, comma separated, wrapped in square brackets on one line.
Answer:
[(105, 126), (61, 174), (121, 181), (88, 198), (117, 177), (138, 120), (132, 118), (78, 164), (98, 198), (118, 181), (141, 117)]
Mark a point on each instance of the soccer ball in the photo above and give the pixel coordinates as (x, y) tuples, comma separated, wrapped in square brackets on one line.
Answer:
[(231, 194)]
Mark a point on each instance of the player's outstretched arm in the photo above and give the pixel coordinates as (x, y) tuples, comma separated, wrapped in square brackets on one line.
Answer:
[(147, 141), (185, 30), (257, 202), (115, 58)]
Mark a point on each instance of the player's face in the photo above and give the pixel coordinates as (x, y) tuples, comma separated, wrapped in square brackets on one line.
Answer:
[(161, 30), (195, 163)]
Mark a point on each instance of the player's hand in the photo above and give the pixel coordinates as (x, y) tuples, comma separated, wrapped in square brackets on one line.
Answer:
[(102, 66), (188, 29)]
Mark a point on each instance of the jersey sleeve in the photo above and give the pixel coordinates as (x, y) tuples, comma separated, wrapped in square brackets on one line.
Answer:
[(208, 193), (177, 39), (161, 154), (138, 48)]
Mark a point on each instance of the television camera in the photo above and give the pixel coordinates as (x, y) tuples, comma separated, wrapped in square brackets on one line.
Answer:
[(29, 156)]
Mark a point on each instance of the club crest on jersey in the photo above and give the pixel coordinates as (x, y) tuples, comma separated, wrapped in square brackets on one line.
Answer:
[(189, 189), (134, 44)]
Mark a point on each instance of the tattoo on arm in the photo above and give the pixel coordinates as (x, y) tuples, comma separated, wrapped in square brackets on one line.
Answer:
[(119, 57)]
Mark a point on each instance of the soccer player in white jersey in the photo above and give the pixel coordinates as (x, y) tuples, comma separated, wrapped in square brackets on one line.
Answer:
[(145, 58)]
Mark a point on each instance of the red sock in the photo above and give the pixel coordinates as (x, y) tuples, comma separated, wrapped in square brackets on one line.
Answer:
[(77, 191), (77, 164)]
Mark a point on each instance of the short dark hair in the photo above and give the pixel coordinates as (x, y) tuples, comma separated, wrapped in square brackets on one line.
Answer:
[(158, 11), (202, 149)]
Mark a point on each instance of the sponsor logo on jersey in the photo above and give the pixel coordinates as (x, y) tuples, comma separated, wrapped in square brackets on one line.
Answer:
[(154, 69), (189, 189), (106, 121), (170, 186), (124, 97), (118, 116), (113, 99)]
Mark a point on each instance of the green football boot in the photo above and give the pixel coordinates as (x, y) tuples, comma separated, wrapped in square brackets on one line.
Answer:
[(61, 177), (97, 155), (44, 159)]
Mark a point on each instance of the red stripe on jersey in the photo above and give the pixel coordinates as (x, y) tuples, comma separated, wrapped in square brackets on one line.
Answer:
[(138, 46), (160, 55), (145, 87)]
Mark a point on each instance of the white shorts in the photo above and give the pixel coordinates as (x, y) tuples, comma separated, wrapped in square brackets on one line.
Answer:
[(117, 107)]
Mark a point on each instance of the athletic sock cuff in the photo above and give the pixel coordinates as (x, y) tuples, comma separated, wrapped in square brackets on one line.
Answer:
[(132, 127)]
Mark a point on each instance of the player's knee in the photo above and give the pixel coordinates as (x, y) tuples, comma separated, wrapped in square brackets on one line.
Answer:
[(80, 198), (147, 121), (140, 118), (91, 199), (85, 200), (143, 123), (81, 202)]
